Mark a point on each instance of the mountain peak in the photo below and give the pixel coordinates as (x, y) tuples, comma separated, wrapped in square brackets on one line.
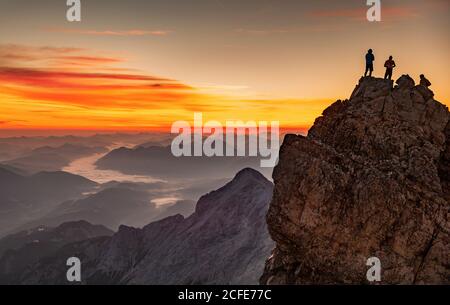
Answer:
[(374, 168), (375, 87), (82, 224), (247, 181), (381, 121), (249, 173)]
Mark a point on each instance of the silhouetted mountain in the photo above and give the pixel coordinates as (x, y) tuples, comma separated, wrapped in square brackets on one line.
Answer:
[(49, 158), (159, 162), (224, 242), (27, 247), (66, 233), (13, 169), (124, 203), (110, 207), (10, 151), (17, 147), (24, 197), (182, 207)]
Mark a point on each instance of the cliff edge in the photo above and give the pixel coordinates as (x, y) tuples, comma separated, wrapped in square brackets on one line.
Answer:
[(371, 179)]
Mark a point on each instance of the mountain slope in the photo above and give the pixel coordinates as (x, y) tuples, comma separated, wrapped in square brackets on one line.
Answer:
[(369, 180), (66, 232), (48, 187), (27, 247), (110, 207), (23, 198), (224, 242)]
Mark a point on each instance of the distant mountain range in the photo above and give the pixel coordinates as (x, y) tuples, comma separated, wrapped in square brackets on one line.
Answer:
[(225, 241), (159, 162), (17, 147), (24, 248), (49, 158), (52, 198), (24, 197), (112, 207)]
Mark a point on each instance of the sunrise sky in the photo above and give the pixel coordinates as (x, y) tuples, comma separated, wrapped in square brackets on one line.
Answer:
[(141, 65)]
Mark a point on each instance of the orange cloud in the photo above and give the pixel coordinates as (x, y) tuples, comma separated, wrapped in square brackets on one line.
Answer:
[(88, 60), (24, 75), (14, 51), (18, 55), (47, 93), (93, 94), (91, 89)]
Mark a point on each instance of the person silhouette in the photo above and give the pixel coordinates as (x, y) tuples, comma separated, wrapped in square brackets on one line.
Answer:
[(389, 65), (370, 58), (424, 82)]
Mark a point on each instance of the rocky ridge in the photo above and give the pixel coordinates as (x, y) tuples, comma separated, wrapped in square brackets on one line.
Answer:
[(371, 179)]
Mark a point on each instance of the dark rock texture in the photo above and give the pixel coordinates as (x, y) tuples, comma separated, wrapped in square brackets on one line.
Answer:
[(371, 179)]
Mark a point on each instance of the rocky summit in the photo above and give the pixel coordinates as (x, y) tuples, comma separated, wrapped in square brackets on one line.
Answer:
[(371, 179)]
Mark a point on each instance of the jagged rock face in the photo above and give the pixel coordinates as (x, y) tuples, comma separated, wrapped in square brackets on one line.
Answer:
[(225, 241), (371, 179)]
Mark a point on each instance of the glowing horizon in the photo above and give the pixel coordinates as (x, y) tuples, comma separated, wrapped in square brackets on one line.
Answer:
[(145, 68)]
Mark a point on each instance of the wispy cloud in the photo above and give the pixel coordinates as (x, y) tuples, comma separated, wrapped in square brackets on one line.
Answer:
[(19, 55), (90, 89), (293, 30), (30, 53), (90, 60), (360, 13), (18, 74), (47, 79), (265, 31), (46, 93), (112, 32)]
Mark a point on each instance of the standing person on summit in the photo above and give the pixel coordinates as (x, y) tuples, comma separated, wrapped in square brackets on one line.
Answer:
[(389, 65), (370, 58), (424, 81)]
